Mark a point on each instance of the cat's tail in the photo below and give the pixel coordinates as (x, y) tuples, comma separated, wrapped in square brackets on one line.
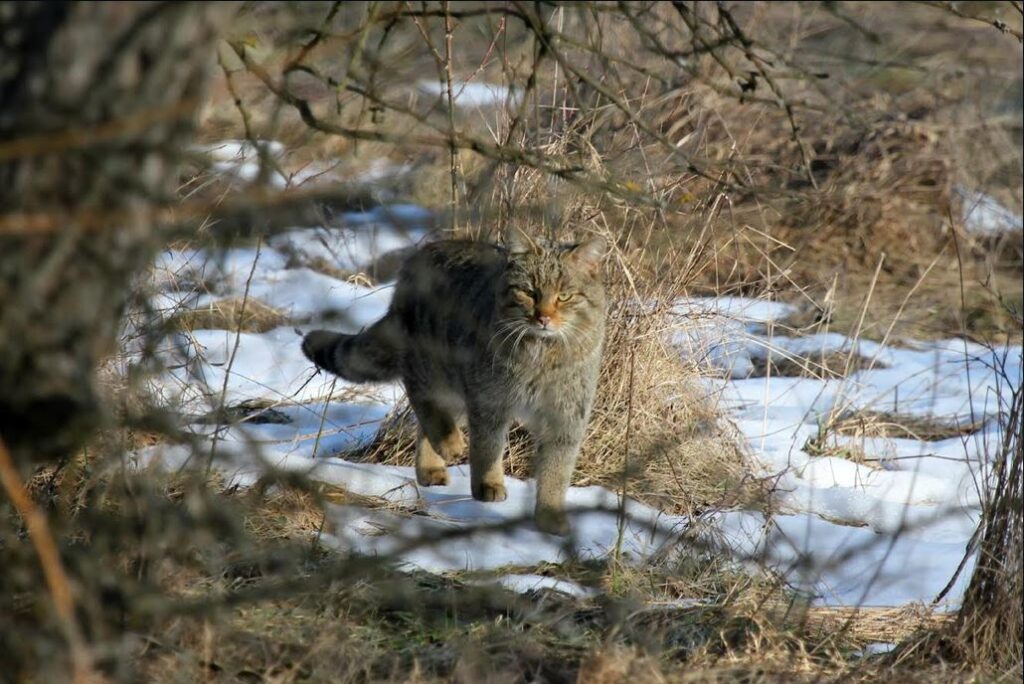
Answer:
[(370, 356)]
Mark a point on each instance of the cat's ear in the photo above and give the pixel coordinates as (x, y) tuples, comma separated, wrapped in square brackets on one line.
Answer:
[(588, 254), (518, 242)]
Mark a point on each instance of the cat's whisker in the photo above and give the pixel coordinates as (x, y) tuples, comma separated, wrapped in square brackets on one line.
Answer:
[(570, 335), (498, 331), (502, 326), (522, 336), (567, 337), (509, 329)]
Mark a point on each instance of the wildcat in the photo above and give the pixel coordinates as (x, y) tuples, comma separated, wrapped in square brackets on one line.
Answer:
[(486, 335)]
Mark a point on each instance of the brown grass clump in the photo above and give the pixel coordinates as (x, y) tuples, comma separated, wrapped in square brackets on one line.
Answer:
[(613, 665), (884, 201), (855, 454), (867, 624), (827, 365), (231, 313), (652, 422), (880, 424)]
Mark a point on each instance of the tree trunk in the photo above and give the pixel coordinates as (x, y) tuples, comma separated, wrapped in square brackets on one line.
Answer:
[(97, 100)]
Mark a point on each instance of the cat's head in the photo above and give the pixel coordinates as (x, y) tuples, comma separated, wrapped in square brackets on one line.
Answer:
[(553, 290)]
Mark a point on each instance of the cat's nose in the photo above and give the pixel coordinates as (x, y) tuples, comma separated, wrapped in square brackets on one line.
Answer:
[(544, 321)]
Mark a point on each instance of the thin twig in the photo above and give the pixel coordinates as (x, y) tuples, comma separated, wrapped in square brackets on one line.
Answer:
[(621, 533), (234, 352), (453, 152), (952, 8)]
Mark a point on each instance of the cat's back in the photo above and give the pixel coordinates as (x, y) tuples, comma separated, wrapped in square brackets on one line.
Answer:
[(446, 293), (447, 268)]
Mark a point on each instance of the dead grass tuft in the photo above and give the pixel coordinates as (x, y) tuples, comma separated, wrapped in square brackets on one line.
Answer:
[(867, 625), (827, 365), (653, 422), (231, 314), (853, 453), (881, 424)]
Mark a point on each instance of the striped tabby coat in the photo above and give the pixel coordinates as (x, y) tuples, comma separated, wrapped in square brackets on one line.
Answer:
[(485, 335)]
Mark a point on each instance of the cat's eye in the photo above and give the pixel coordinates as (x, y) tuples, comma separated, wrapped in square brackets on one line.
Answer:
[(565, 296), (522, 294)]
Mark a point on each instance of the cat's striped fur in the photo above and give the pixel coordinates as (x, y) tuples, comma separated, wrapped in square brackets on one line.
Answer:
[(487, 335)]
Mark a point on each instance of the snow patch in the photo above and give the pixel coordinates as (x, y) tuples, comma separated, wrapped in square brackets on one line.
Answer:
[(984, 215), (471, 95)]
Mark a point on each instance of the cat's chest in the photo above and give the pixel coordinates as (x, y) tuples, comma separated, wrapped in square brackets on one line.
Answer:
[(543, 380)]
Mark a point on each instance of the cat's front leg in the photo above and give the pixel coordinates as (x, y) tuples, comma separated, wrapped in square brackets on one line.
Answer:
[(488, 434), (558, 441), (439, 441)]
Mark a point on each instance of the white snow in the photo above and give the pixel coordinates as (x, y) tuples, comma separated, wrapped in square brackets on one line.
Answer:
[(233, 150), (740, 309), (875, 648), (478, 95), (983, 215), (530, 583), (350, 249), (270, 365), (886, 528), (185, 269), (242, 160), (245, 160), (714, 332), (267, 366), (915, 503), (852, 566)]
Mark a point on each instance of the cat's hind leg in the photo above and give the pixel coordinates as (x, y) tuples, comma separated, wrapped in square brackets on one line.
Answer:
[(438, 442)]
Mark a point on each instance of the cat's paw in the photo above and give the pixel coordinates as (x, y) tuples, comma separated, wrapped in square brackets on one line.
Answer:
[(552, 521), (490, 492), (432, 477)]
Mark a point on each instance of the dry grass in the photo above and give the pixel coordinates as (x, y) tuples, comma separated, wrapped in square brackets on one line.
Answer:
[(821, 366), (652, 422), (880, 424), (230, 314), (389, 626), (884, 201)]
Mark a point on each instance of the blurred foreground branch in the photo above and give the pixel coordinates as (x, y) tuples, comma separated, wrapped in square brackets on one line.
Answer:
[(133, 74)]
